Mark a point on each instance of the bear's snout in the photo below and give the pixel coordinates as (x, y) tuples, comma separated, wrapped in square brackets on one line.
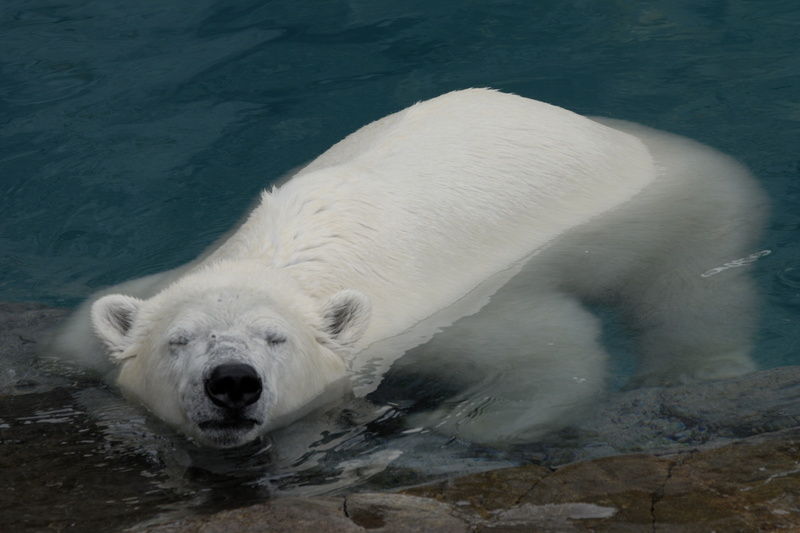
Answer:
[(233, 386)]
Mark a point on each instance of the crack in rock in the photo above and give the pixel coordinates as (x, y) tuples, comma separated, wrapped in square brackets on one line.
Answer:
[(658, 496)]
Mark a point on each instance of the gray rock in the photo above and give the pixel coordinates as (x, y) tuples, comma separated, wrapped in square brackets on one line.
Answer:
[(390, 513)]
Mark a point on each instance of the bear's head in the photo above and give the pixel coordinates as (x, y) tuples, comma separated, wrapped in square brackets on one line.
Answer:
[(225, 361)]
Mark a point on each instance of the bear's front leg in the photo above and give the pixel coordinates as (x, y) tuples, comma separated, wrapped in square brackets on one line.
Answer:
[(540, 366), (692, 327)]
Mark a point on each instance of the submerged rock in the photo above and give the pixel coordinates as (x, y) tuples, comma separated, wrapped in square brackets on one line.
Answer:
[(21, 327), (665, 418)]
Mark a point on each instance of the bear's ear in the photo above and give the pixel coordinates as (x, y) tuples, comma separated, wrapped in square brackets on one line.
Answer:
[(112, 319), (345, 317)]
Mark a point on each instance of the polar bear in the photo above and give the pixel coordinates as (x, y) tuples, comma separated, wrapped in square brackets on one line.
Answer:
[(472, 229)]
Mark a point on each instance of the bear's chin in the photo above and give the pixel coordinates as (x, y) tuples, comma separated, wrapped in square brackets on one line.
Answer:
[(228, 433)]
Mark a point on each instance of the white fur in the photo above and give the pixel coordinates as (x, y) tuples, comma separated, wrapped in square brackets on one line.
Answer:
[(410, 225)]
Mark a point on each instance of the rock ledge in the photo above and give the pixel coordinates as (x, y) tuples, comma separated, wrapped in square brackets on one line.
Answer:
[(750, 485)]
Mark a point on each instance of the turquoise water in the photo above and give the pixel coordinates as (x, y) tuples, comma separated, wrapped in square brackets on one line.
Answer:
[(134, 133)]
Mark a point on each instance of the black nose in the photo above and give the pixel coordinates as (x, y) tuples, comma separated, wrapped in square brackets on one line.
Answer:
[(233, 385)]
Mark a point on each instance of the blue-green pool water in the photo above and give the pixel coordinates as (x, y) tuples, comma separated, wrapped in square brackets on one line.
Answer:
[(134, 133)]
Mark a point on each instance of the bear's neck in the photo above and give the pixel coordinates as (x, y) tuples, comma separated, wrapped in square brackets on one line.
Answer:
[(304, 241)]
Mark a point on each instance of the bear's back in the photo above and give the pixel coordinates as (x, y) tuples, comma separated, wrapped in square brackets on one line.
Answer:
[(473, 170), (422, 206)]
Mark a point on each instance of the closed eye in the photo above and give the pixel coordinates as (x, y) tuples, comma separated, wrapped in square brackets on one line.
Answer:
[(274, 339), (178, 339)]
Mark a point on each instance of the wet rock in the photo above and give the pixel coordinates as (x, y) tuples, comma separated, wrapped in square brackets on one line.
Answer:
[(278, 516), (751, 485), (58, 470), (627, 484), (389, 513), (485, 493), (548, 517)]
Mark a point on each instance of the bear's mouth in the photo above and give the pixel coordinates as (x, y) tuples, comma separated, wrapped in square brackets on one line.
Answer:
[(229, 424), (228, 432)]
